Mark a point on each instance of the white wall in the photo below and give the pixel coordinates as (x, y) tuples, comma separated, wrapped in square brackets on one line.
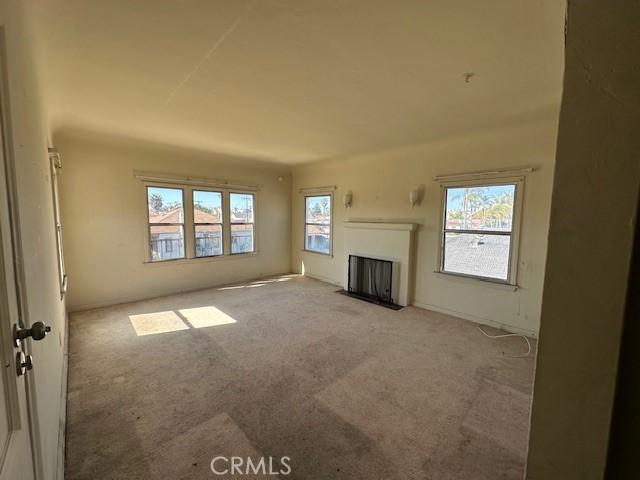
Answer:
[(381, 182), (103, 212), (595, 199), (28, 138)]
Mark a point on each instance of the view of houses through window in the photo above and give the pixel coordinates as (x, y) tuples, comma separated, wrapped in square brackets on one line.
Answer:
[(242, 220), (166, 213), (166, 223), (317, 223), (478, 230), (207, 221)]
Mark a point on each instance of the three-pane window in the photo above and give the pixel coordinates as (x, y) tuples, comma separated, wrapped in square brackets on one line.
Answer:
[(191, 222), (478, 230), (317, 223)]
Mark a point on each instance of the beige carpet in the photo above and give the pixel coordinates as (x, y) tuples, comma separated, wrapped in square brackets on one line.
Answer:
[(287, 367)]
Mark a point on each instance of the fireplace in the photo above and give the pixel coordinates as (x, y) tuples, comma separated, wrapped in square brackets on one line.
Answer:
[(371, 279), (387, 242)]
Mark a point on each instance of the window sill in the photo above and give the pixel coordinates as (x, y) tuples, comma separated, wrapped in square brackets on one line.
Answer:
[(486, 282), (216, 258), (330, 255)]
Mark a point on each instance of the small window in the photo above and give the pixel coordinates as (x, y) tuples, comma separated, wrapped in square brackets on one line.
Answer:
[(317, 224), (207, 222), (242, 222), (166, 223), (478, 231)]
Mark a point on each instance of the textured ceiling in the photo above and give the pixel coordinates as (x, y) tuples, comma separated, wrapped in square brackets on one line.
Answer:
[(297, 80)]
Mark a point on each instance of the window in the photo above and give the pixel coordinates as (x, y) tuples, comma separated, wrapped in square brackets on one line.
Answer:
[(317, 224), (241, 219), (190, 222), (207, 222), (479, 227), (166, 223), (56, 165)]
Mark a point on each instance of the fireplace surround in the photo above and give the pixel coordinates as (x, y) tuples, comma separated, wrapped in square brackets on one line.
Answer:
[(389, 242)]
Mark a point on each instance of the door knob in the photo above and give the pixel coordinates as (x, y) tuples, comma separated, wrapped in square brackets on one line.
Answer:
[(23, 363), (37, 331)]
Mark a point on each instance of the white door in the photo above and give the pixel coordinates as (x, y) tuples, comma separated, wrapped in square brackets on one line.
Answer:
[(16, 461)]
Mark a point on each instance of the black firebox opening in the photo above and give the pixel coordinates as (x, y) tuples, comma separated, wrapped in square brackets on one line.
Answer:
[(371, 279)]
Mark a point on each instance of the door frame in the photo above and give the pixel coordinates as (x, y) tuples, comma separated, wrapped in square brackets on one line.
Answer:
[(18, 255)]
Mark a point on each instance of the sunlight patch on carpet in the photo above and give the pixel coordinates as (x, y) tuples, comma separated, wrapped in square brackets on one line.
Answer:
[(157, 322), (206, 317)]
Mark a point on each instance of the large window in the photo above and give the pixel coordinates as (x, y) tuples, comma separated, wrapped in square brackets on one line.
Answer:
[(479, 230), (317, 223), (207, 223), (196, 222), (242, 227), (166, 223)]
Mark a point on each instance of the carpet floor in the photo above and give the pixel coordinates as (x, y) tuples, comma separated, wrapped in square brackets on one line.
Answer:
[(286, 367)]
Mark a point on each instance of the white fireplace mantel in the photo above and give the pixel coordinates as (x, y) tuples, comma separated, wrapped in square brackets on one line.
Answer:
[(386, 241)]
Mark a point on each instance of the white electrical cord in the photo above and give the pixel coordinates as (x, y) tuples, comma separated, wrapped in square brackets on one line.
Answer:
[(510, 335)]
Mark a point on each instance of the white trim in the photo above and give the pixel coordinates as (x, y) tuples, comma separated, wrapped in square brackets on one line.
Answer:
[(318, 190), (92, 306), (403, 227), (323, 279), (27, 421), (475, 319), (313, 252), (62, 439), (484, 174), (193, 181)]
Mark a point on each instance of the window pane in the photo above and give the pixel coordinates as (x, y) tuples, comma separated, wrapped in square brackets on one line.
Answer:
[(166, 242), (479, 255), (208, 240), (241, 207), (241, 238), (480, 208), (165, 205), (318, 209), (317, 238), (207, 207)]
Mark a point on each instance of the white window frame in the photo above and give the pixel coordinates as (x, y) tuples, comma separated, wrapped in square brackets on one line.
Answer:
[(183, 224), (190, 225), (512, 270), (222, 223), (55, 165), (318, 193), (253, 224)]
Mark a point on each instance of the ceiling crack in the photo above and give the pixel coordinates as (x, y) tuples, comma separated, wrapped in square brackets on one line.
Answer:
[(234, 25)]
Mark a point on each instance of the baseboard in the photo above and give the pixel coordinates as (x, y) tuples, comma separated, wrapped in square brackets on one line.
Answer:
[(112, 303), (323, 279), (476, 319), (62, 438)]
